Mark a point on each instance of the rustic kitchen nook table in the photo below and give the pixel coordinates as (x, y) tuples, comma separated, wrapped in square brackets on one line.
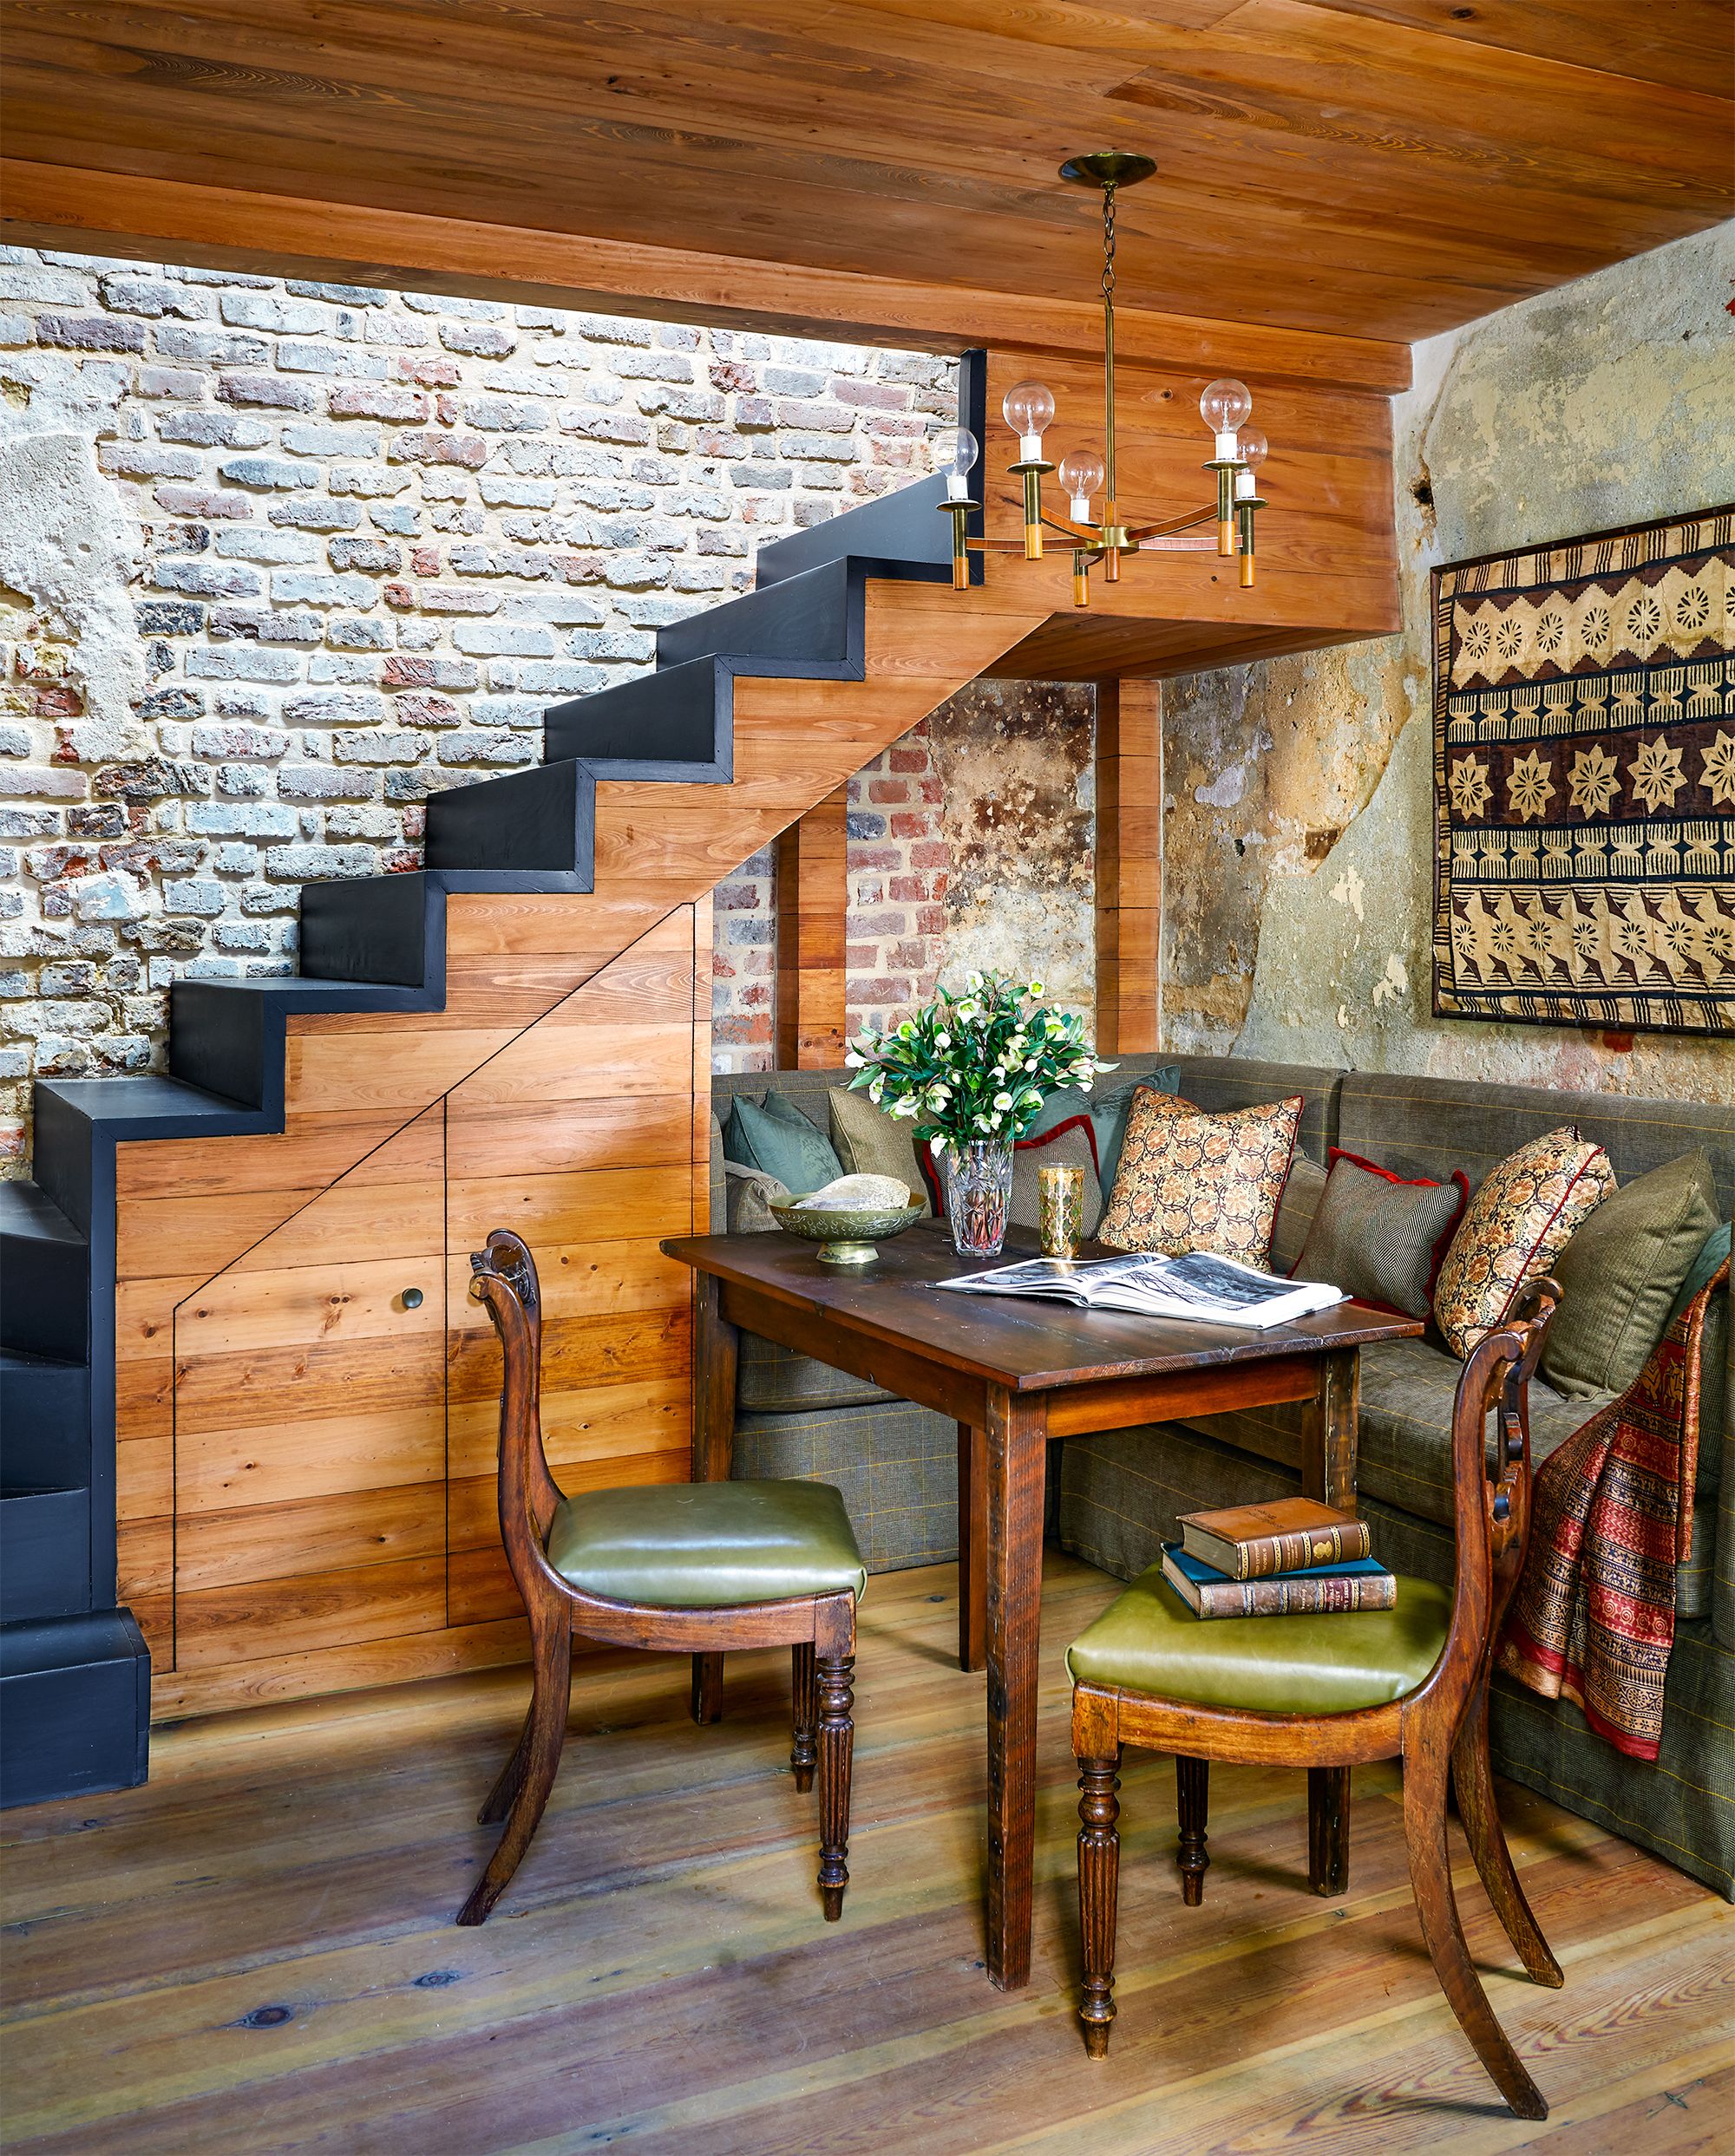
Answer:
[(1013, 1373)]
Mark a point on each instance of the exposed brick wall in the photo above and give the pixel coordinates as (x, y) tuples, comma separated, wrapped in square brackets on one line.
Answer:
[(972, 844), (353, 541)]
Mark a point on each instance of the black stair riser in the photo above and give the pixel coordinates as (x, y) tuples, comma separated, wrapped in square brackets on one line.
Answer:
[(44, 1422), (75, 1706), (679, 721), (44, 1278), (903, 526), (44, 1553), (544, 818), (807, 618)]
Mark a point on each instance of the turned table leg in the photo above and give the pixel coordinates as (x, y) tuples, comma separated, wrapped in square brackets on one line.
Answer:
[(1328, 1471), (716, 1349), (1015, 1448)]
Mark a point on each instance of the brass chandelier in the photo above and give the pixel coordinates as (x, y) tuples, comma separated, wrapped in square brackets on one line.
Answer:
[(1238, 449)]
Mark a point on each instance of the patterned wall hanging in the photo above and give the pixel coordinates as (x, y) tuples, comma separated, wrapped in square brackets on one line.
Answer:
[(1584, 781)]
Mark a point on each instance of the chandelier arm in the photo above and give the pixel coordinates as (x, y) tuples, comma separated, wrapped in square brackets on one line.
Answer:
[(1161, 529)]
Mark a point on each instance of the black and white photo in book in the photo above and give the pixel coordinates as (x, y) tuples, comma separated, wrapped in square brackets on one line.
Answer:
[(1200, 1286)]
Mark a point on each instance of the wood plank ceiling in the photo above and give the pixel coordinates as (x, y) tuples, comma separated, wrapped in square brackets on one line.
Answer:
[(1375, 168)]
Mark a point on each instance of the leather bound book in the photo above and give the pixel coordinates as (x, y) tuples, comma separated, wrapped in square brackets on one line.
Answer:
[(1330, 1589), (1289, 1535)]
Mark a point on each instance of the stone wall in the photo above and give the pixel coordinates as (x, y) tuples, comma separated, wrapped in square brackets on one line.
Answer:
[(279, 559), (1298, 825), (972, 844)]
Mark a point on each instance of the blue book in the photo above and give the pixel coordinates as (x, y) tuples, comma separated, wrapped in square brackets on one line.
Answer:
[(1361, 1583)]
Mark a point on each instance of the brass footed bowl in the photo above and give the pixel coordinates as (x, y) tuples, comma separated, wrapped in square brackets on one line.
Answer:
[(845, 1239)]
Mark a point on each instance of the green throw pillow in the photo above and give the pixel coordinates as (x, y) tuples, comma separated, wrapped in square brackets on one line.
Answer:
[(1621, 1273), (780, 1141), (870, 1142), (1108, 1112)]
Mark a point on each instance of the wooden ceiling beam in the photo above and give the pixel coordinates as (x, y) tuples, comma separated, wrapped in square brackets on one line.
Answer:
[(106, 212)]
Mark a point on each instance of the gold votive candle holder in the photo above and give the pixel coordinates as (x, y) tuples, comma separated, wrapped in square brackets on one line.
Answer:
[(1060, 1205)]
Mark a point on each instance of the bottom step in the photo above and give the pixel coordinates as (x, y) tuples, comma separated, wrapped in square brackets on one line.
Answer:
[(75, 1707)]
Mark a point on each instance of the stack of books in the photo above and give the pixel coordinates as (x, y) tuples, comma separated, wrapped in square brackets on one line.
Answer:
[(1293, 1558)]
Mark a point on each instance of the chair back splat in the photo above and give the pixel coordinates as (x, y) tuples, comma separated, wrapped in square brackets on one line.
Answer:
[(1410, 1682)]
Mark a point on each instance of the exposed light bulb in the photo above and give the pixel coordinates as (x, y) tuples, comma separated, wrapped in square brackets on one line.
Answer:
[(1224, 407), (1029, 410), (1252, 449), (955, 454), (1082, 473)]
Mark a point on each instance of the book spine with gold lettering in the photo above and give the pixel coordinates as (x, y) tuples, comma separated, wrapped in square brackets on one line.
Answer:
[(1263, 1555)]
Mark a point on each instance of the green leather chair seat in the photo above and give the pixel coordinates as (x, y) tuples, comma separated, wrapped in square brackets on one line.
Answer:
[(701, 1545), (1148, 1641)]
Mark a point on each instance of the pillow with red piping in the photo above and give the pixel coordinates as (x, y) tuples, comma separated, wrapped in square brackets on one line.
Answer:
[(1381, 1238), (1515, 1227)]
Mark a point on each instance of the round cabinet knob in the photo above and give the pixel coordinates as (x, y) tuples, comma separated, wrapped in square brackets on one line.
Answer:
[(412, 1298)]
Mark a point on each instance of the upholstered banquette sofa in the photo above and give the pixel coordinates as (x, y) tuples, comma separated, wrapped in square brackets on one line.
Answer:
[(1114, 1498)]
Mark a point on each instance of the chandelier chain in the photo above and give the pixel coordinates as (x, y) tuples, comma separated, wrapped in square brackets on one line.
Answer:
[(1109, 246)]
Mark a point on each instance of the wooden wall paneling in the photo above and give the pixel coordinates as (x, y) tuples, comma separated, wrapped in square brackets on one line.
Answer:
[(812, 903), (1129, 866), (280, 1453), (617, 1314)]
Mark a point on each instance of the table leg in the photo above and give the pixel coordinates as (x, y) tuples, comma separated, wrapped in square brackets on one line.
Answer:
[(973, 1548), (1328, 1470), (716, 1348), (1015, 1448)]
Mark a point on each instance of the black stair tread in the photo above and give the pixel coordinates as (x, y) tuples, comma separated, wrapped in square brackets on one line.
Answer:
[(904, 528), (799, 620), (314, 991), (27, 1209), (26, 1359), (11, 1492), (134, 1104)]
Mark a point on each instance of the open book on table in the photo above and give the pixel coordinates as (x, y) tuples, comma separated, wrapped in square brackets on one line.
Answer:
[(1201, 1286)]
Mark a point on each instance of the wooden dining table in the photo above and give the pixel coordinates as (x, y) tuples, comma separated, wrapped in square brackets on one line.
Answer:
[(1014, 1373)]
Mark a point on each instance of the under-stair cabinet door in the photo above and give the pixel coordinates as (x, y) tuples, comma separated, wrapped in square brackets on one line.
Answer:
[(585, 1137), (310, 1436)]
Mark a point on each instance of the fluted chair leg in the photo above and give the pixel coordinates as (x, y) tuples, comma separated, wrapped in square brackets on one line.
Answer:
[(1473, 1778), (552, 1649), (1430, 1879), (805, 1719), (1099, 1891), (836, 1756), (1192, 1805)]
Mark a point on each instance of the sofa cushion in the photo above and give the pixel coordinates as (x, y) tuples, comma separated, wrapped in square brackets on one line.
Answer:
[(1404, 1450), (1189, 1181), (1380, 1238), (1303, 1188), (780, 1140), (775, 1380), (1620, 1274), (1515, 1226), (870, 1142)]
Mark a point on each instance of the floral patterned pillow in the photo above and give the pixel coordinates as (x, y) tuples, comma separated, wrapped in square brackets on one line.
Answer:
[(1190, 1181), (1515, 1226)]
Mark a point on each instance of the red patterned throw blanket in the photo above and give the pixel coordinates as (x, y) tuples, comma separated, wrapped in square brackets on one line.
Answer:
[(1594, 1617)]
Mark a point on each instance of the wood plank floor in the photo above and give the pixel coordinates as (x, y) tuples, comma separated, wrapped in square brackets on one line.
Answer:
[(256, 1953)]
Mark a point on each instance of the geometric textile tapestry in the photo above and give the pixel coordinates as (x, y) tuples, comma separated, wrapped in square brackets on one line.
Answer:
[(1584, 781)]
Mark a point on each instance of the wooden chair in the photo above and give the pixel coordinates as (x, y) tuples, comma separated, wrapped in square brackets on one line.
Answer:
[(1410, 1683), (685, 1568)]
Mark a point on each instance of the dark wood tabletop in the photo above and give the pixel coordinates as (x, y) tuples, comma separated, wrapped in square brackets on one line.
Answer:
[(1028, 1343)]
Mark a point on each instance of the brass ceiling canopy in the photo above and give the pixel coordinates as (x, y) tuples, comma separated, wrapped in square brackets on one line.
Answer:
[(1238, 450)]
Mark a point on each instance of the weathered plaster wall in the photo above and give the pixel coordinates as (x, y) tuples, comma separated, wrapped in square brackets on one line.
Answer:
[(1297, 827), (972, 844)]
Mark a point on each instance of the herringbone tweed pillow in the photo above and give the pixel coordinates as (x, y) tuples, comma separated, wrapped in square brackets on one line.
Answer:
[(1380, 1238), (1189, 1181), (1515, 1227)]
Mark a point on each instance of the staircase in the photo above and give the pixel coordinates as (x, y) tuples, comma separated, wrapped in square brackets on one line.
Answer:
[(75, 1670)]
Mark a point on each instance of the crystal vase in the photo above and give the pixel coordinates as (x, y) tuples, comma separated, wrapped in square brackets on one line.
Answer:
[(978, 1189)]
